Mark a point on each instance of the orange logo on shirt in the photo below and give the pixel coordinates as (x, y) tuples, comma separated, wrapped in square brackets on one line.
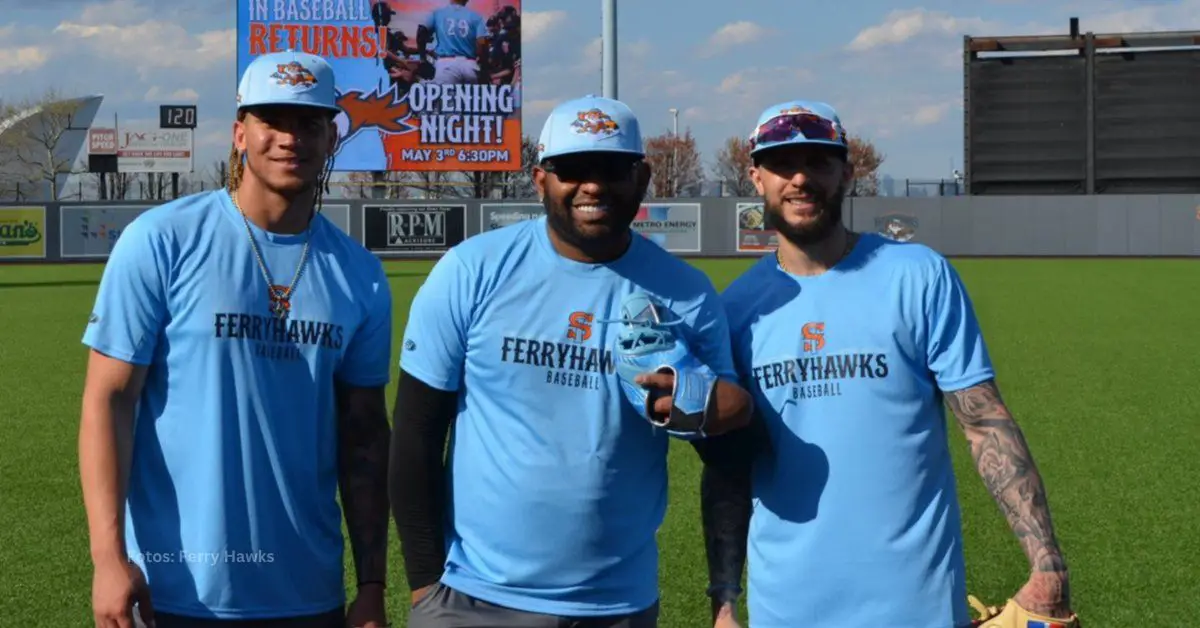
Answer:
[(814, 336), (579, 326)]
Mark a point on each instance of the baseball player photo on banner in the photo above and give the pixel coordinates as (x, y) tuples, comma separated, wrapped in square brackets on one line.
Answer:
[(675, 227), (413, 229), (23, 232), (424, 85), (497, 215), (92, 230), (752, 232)]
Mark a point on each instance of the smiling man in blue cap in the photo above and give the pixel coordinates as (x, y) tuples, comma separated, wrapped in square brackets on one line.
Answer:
[(546, 509), (240, 346), (850, 343)]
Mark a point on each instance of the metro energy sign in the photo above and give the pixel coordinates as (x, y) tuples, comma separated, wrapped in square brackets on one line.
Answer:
[(406, 106)]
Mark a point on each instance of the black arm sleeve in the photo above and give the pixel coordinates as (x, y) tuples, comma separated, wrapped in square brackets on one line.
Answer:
[(725, 506), (416, 476)]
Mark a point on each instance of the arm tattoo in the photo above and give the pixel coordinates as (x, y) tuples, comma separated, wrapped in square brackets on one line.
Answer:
[(725, 510), (363, 441), (1002, 457), (725, 505)]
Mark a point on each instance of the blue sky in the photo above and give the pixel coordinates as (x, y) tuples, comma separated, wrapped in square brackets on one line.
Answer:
[(892, 68)]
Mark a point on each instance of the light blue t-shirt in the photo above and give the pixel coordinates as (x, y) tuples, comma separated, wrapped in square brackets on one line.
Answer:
[(856, 520), (232, 509), (557, 486), (457, 31)]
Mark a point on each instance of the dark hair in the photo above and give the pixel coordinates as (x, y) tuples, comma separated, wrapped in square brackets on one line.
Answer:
[(381, 13)]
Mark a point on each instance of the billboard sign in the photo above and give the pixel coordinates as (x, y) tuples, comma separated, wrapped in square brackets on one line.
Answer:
[(93, 230), (150, 149), (673, 226), (413, 229), (495, 216), (440, 108), (102, 141), (753, 236), (22, 232)]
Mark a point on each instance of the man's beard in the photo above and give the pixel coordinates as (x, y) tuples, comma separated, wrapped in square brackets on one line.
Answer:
[(829, 217), (562, 220)]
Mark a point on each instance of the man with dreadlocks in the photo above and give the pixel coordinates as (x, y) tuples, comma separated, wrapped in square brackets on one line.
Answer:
[(240, 346)]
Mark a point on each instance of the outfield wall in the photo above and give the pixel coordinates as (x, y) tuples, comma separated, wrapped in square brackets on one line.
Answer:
[(962, 226)]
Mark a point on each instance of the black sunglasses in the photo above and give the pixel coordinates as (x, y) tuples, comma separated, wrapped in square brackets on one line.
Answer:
[(601, 167)]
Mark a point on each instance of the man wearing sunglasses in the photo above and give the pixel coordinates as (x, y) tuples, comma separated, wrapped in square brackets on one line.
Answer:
[(546, 509), (849, 344)]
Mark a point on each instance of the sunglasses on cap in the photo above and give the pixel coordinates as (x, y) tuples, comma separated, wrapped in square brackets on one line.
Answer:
[(602, 166), (789, 126)]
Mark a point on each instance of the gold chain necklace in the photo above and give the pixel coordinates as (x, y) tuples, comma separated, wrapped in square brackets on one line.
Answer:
[(851, 238), (280, 296)]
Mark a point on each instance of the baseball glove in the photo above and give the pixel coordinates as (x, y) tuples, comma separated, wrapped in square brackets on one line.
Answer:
[(1013, 616), (646, 344)]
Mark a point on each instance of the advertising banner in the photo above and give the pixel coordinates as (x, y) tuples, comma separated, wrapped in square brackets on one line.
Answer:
[(752, 232), (673, 226), (92, 231), (150, 149), (22, 232), (495, 216), (413, 229), (338, 215), (416, 93), (102, 141)]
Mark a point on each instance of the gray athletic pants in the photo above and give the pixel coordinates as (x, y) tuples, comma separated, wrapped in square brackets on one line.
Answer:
[(333, 619), (444, 607)]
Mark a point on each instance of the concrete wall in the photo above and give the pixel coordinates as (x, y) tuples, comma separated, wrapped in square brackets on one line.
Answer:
[(1164, 225)]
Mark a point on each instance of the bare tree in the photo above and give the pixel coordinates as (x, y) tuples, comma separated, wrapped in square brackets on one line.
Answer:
[(216, 175), (389, 185), (521, 183), (121, 184), (32, 148), (675, 164), (483, 184), (733, 167), (433, 183), (866, 159), (518, 184)]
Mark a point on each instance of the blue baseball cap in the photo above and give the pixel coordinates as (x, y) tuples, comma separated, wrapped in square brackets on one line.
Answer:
[(588, 125), (798, 122), (288, 78)]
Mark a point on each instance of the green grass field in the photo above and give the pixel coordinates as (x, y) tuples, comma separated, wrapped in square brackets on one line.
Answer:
[(1097, 358)]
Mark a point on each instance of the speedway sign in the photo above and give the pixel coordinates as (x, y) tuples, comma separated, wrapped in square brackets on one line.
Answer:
[(406, 106)]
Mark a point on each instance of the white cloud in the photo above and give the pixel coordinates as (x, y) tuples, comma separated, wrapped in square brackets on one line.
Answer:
[(16, 57), (755, 81), (220, 137), (15, 60), (155, 44), (732, 35), (116, 12), (592, 57), (667, 83), (1141, 18), (539, 107), (744, 94), (182, 95), (926, 115), (536, 25), (904, 25)]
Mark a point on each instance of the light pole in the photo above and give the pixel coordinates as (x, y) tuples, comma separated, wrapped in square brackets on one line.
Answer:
[(674, 151), (608, 10)]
